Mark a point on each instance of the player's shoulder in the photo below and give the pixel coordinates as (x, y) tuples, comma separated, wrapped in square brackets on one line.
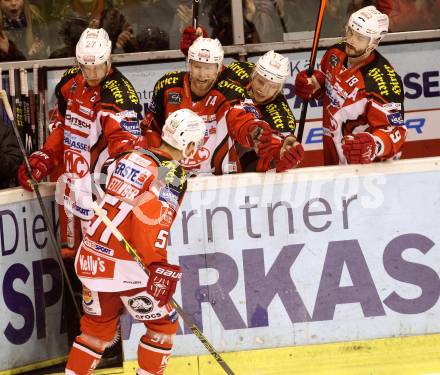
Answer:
[(279, 114), (117, 89), (67, 76), (381, 78), (239, 71), (169, 80), (230, 89)]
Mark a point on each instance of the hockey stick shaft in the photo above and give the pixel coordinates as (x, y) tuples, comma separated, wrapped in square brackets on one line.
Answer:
[(24, 104), (35, 186), (313, 53), (195, 11), (186, 318)]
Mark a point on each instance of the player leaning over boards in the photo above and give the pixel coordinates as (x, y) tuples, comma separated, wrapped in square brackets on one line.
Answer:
[(363, 95), (142, 198), (229, 113), (263, 82), (96, 117)]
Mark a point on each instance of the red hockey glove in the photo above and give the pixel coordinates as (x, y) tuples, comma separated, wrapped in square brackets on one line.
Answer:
[(291, 155), (359, 148), (306, 89), (260, 136), (41, 163), (162, 281), (189, 35)]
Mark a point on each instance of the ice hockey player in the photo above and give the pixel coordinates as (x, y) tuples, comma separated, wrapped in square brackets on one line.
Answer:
[(142, 198), (229, 114), (363, 95), (96, 117), (264, 83)]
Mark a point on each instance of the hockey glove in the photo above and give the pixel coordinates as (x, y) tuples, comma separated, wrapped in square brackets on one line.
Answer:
[(260, 137), (291, 155), (359, 148), (189, 35), (309, 87), (41, 163), (162, 281)]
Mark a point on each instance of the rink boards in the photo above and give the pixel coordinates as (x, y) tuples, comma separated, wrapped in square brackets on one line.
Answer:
[(294, 271)]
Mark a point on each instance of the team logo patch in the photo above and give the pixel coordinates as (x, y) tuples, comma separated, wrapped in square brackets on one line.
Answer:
[(251, 109), (174, 98), (170, 196), (166, 216), (131, 126), (395, 119), (141, 304), (334, 60)]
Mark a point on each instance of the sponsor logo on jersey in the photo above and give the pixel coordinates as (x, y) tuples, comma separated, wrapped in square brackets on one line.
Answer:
[(250, 108), (170, 196), (131, 126), (130, 173), (174, 98), (126, 114), (115, 89), (76, 163), (141, 304), (392, 106), (77, 122), (122, 189), (395, 119), (231, 85), (97, 247), (76, 144), (85, 110), (87, 296), (91, 265)]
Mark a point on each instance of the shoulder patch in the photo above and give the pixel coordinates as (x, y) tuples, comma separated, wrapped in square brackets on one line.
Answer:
[(380, 77), (170, 79), (231, 90)]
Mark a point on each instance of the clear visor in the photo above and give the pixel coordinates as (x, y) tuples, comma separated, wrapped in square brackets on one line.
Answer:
[(94, 72)]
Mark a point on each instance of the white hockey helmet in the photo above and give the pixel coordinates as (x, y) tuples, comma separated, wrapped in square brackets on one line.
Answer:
[(273, 66), (94, 47), (370, 22), (206, 50), (183, 127)]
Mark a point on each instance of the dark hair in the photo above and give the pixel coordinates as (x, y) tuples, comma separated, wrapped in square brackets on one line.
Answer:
[(152, 38)]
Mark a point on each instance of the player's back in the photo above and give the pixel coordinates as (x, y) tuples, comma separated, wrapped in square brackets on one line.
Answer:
[(142, 198)]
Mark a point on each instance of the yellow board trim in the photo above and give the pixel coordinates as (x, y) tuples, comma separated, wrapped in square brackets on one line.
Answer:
[(414, 355), (34, 366)]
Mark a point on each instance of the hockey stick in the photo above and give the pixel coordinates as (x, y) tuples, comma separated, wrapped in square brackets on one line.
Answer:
[(34, 184), (195, 9), (313, 53), (31, 100), (24, 104), (39, 122), (186, 318)]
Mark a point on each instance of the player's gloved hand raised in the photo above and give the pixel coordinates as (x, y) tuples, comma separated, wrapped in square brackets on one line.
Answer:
[(189, 35), (162, 281), (292, 153), (41, 163), (359, 148), (308, 87)]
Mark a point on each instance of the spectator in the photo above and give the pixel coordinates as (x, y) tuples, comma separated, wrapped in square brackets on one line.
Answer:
[(70, 32), (99, 15), (8, 50), (220, 19), (407, 15), (25, 27), (152, 38), (10, 156)]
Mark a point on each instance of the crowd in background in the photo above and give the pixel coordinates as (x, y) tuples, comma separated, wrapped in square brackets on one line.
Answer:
[(40, 29)]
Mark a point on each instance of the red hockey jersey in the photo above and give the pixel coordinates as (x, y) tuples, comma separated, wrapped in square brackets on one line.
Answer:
[(142, 198), (366, 97)]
